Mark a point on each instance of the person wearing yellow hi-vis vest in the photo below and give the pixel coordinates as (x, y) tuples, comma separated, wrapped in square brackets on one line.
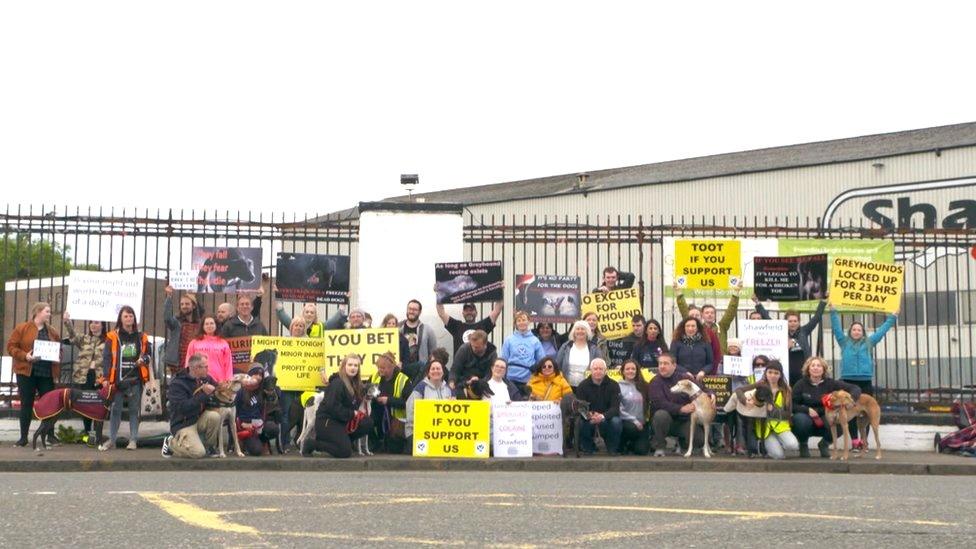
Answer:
[(390, 407), (774, 430)]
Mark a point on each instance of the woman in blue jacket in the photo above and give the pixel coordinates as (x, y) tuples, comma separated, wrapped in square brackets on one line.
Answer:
[(857, 356), (521, 351)]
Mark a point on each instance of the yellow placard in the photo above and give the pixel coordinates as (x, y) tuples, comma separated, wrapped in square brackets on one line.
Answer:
[(296, 360), (865, 285), (707, 264), (368, 343), (617, 376), (615, 311), (451, 428)]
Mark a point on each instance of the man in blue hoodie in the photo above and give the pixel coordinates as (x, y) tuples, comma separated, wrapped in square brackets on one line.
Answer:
[(521, 351)]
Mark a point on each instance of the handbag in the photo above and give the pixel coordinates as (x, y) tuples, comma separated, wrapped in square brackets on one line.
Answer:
[(151, 403)]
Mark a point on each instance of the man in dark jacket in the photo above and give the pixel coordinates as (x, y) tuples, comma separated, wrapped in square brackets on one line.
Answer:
[(670, 411), (194, 429), (603, 394), (245, 323), (472, 360), (615, 280)]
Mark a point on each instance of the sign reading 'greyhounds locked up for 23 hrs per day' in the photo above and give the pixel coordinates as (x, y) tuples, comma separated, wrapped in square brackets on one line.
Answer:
[(614, 310), (866, 285), (709, 264), (451, 428)]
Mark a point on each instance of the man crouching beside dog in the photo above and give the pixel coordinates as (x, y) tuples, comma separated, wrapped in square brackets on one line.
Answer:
[(194, 430), (671, 412)]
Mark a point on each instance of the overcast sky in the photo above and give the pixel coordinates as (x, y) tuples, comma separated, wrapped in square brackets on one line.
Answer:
[(311, 107)]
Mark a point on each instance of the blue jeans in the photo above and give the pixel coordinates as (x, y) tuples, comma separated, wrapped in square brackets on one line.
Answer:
[(285, 404), (133, 397), (610, 430)]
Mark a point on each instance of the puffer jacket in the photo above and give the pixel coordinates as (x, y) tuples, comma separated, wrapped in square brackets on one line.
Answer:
[(857, 357), (90, 350)]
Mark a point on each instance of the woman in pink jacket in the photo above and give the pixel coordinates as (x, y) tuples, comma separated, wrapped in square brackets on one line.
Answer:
[(209, 344)]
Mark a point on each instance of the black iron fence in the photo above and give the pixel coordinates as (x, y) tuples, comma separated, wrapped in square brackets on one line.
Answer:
[(926, 360)]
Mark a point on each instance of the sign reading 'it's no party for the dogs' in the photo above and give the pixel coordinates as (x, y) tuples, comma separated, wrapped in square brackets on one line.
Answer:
[(451, 428), (614, 310), (865, 285)]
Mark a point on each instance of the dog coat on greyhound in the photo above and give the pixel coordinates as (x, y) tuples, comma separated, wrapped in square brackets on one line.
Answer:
[(91, 404)]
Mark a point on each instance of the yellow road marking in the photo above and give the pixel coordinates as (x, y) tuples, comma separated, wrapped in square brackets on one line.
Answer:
[(194, 515)]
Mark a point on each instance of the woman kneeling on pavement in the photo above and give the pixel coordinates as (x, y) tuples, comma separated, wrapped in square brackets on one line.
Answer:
[(774, 429), (339, 421), (808, 408)]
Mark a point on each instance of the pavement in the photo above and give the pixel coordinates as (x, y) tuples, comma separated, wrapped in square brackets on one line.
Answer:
[(480, 508)]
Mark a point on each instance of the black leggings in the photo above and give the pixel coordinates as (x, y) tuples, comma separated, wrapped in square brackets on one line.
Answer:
[(331, 436), (27, 386)]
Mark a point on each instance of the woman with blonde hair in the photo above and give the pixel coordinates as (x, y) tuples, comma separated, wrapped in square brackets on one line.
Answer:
[(34, 376), (808, 408)]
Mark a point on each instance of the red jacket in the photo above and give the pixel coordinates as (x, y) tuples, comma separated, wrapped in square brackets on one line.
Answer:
[(21, 342)]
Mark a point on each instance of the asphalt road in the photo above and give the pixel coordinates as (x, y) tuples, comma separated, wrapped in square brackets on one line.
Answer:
[(249, 509)]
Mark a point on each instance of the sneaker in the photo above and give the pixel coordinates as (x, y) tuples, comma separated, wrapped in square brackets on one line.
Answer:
[(167, 451), (660, 453), (740, 450), (131, 445), (106, 446), (804, 451), (21, 443)]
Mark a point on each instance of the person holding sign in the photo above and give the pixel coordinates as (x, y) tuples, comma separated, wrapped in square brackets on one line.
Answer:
[(808, 408), (615, 280), (774, 429), (521, 351), (576, 355), (181, 328), (603, 394), (692, 348), (127, 358), (433, 386), (720, 329), (35, 376), (857, 357), (88, 363), (339, 419), (547, 382), (633, 410), (461, 330), (245, 323), (650, 346), (208, 343), (310, 317), (799, 346)]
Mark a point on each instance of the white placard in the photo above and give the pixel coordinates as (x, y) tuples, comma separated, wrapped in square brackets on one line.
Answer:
[(184, 279), (47, 350), (511, 429), (547, 428), (765, 337), (736, 366), (94, 295)]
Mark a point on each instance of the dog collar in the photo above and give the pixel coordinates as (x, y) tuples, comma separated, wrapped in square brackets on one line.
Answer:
[(694, 395)]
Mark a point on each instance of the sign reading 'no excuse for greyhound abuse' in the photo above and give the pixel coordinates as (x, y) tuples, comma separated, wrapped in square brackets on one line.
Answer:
[(614, 310), (866, 285)]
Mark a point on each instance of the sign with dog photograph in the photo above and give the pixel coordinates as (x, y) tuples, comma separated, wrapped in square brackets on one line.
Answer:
[(226, 270), (615, 311), (183, 279), (721, 386), (311, 278), (800, 278), (240, 353), (866, 285), (94, 295), (707, 264), (451, 428), (47, 350), (547, 428), (367, 343), (548, 298), (295, 361), (765, 337), (511, 429), (471, 281)]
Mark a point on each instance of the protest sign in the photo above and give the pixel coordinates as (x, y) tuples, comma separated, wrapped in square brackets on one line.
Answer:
[(616, 375), (47, 350), (615, 310), (240, 352), (295, 361), (548, 298), (511, 429), (708, 264), (183, 279), (619, 350), (368, 343), (765, 337), (721, 386), (736, 366), (865, 285), (470, 281), (547, 428), (798, 278), (451, 428), (311, 278), (94, 295), (226, 269)]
